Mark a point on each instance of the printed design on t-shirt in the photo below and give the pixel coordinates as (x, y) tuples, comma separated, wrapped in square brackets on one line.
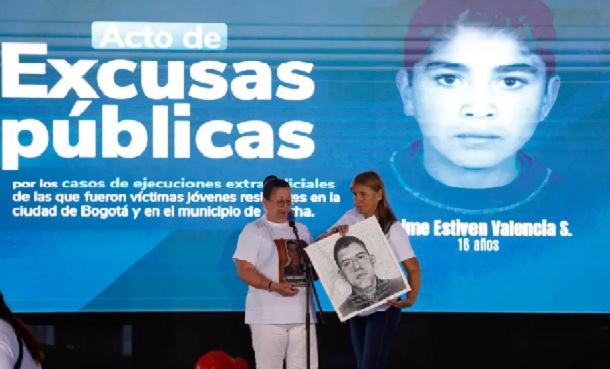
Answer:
[(291, 265)]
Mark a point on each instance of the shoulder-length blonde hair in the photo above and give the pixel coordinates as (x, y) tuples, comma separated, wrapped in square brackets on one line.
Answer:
[(383, 212)]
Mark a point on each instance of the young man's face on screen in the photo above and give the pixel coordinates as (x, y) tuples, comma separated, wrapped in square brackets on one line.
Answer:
[(478, 98)]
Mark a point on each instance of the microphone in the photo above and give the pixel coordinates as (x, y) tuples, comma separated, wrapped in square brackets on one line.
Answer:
[(290, 218)]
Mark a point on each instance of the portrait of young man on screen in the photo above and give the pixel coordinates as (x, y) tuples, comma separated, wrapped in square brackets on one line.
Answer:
[(478, 79)]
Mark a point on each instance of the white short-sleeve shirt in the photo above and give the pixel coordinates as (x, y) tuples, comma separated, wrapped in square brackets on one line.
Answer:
[(257, 245)]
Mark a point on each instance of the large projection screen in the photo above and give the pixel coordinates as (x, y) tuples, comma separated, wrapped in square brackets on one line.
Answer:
[(135, 136)]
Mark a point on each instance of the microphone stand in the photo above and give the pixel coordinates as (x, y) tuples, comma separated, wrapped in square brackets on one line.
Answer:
[(310, 286)]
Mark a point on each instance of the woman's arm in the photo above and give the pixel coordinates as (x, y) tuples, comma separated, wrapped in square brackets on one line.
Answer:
[(414, 278)]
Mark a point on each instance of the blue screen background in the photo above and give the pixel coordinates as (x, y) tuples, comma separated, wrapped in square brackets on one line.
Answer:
[(184, 264)]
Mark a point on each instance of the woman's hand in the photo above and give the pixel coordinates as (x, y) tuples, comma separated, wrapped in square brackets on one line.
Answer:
[(341, 229), (408, 302), (284, 289)]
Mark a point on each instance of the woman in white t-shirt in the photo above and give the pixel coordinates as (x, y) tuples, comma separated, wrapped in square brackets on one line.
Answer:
[(373, 331), (19, 348), (275, 308)]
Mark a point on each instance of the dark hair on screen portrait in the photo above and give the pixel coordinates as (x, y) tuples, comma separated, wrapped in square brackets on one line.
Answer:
[(530, 21)]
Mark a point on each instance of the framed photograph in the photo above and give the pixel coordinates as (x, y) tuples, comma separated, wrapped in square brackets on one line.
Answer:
[(291, 266), (358, 271)]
